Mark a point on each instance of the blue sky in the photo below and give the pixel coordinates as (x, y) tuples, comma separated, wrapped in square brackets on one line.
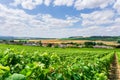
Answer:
[(59, 18)]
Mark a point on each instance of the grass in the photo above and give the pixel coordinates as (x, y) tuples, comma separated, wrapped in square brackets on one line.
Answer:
[(54, 50)]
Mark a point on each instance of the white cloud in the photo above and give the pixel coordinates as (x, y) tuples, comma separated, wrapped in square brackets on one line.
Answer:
[(63, 2), (96, 31), (82, 4), (31, 4), (117, 6), (98, 18), (16, 2), (117, 21), (27, 4), (103, 23), (18, 23), (47, 2), (78, 4)]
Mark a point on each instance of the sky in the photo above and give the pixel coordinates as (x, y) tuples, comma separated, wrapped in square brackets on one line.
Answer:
[(59, 18)]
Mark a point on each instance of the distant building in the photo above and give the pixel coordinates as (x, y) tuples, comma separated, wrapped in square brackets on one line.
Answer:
[(102, 46)]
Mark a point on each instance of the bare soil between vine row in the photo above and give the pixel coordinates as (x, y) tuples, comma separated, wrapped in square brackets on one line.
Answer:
[(114, 73)]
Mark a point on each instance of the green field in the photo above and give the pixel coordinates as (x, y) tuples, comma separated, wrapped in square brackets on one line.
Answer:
[(43, 63)]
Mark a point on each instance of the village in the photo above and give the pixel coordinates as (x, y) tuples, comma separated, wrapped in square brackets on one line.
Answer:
[(88, 44)]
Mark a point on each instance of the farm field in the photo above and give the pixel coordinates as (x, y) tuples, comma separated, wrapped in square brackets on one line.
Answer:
[(44, 63), (57, 41)]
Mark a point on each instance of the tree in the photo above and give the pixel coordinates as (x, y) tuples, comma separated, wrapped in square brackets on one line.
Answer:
[(22, 42), (118, 46), (40, 43), (118, 41), (100, 43), (89, 44), (12, 41), (56, 46), (49, 45)]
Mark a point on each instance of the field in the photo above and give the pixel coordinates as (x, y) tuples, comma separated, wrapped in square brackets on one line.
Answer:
[(43, 63), (75, 41)]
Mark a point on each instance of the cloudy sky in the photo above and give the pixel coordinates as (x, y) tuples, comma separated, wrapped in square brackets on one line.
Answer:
[(59, 18)]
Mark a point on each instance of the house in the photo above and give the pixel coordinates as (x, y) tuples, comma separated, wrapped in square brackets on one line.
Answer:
[(102, 46)]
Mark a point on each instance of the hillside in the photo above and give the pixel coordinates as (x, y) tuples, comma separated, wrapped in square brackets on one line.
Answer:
[(102, 38), (18, 38)]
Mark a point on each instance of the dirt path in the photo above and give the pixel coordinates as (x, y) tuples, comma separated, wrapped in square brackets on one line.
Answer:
[(114, 69)]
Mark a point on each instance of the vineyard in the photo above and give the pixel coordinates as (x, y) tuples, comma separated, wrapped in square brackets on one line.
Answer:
[(39, 63)]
